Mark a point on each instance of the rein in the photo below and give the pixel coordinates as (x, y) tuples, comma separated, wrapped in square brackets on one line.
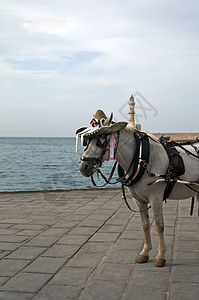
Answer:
[(139, 163)]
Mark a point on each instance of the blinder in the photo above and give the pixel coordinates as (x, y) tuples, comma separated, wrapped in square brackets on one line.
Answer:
[(99, 143), (96, 162), (86, 142)]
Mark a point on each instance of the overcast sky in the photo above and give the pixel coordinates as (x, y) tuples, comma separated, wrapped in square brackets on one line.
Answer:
[(62, 60)]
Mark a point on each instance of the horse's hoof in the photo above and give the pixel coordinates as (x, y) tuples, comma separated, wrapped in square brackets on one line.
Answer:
[(159, 262), (141, 259)]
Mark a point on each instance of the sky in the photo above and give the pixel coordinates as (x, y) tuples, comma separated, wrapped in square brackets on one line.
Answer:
[(62, 60)]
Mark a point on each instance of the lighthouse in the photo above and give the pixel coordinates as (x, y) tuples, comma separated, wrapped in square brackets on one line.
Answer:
[(132, 113), (132, 110)]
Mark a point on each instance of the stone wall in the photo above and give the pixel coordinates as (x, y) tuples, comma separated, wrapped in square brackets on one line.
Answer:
[(182, 136)]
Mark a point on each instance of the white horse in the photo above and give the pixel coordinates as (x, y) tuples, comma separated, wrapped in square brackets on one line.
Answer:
[(97, 141)]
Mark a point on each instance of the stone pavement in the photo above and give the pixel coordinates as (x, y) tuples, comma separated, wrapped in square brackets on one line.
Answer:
[(83, 245)]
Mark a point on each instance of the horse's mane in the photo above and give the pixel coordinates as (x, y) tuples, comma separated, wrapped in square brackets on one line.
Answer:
[(130, 129)]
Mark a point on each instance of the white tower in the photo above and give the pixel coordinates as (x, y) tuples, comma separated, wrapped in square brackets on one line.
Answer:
[(132, 110)]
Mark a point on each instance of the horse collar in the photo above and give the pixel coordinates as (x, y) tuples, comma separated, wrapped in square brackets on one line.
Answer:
[(139, 162)]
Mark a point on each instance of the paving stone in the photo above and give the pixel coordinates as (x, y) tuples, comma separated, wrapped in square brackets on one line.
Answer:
[(149, 266), (99, 216), (186, 246), (13, 220), (184, 291), (126, 244), (3, 280), (9, 246), (55, 232), (71, 276), (187, 222), (45, 265), (27, 282), (61, 251), (6, 225), (83, 260), (73, 239), (4, 253), (28, 226), (149, 281), (42, 241), (76, 217), (186, 274), (13, 238), (52, 292), (113, 271), (187, 236), (41, 221), (111, 228), (85, 211), (124, 215), (92, 223), (103, 290), (15, 296), (10, 267), (133, 235), (183, 227), (26, 252), (71, 263), (124, 256), (28, 232), (140, 295), (186, 258), (62, 224), (114, 221), (95, 247), (104, 237), (86, 231)]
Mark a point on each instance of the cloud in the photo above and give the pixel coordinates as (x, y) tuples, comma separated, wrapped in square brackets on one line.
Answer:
[(96, 53)]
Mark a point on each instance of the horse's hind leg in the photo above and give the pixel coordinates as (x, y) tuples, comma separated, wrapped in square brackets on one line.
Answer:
[(144, 254), (159, 221), (197, 197)]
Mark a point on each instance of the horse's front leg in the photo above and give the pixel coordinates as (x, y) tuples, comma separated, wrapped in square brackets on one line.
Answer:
[(159, 221), (144, 254)]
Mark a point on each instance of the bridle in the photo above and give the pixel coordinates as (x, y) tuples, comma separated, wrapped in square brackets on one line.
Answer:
[(96, 162), (139, 160)]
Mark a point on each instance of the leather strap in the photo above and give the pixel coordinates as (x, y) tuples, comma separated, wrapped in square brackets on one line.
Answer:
[(138, 163), (175, 168)]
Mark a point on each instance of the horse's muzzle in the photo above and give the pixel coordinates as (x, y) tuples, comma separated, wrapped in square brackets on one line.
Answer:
[(88, 165)]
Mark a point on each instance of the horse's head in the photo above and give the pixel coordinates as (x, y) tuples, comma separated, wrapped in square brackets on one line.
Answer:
[(95, 153), (96, 139)]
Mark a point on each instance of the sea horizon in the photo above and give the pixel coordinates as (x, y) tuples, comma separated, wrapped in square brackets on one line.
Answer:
[(42, 163)]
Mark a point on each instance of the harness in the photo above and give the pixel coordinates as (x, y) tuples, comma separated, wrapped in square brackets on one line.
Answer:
[(140, 162), (175, 168)]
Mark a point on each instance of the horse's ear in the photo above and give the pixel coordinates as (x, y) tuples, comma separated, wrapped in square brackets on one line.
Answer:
[(108, 121)]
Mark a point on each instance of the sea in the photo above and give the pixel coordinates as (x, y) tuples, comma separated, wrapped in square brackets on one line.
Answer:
[(43, 163)]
